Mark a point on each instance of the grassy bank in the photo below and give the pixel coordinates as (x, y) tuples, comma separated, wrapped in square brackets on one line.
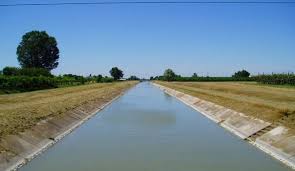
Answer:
[(261, 101), (23, 110)]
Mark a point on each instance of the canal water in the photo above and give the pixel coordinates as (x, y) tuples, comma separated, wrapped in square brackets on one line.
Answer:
[(147, 130)]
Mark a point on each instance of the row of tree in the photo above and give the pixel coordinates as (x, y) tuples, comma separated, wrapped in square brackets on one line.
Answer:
[(243, 75), (277, 79), (169, 75)]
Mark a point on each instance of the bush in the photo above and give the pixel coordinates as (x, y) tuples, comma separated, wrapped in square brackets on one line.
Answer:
[(99, 78), (35, 72), (75, 78), (276, 79), (25, 83), (107, 79), (32, 72), (8, 71)]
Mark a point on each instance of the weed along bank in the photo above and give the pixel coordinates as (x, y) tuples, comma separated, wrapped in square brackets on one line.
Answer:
[(147, 129)]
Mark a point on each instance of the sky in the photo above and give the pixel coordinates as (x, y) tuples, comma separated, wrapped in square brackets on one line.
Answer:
[(145, 39)]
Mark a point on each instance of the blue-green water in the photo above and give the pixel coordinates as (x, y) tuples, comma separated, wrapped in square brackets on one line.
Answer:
[(147, 130)]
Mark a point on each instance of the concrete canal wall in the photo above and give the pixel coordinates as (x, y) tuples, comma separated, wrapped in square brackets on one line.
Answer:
[(25, 146), (279, 141)]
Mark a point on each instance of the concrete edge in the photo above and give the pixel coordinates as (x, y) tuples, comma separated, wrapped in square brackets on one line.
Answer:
[(216, 120), (233, 131), (208, 113), (21, 161), (273, 152), (197, 109), (268, 149)]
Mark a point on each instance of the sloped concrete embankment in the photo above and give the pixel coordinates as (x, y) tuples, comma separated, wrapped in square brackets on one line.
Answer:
[(279, 142), (25, 146)]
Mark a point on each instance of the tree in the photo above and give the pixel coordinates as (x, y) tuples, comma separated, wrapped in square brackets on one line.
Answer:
[(116, 73), (151, 78), (9, 71), (195, 75), (99, 78), (242, 73), (38, 50), (133, 77), (169, 75)]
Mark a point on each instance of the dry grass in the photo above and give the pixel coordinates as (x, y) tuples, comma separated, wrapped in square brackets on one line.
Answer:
[(23, 110), (265, 102)]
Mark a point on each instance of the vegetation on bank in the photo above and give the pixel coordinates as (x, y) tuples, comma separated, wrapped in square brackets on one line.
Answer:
[(21, 111), (15, 79), (243, 75), (277, 79), (257, 100), (38, 54)]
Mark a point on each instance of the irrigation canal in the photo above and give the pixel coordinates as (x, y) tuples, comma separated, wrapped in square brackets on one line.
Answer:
[(148, 130)]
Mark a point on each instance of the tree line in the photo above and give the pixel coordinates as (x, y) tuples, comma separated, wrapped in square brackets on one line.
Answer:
[(170, 75), (243, 75), (38, 54)]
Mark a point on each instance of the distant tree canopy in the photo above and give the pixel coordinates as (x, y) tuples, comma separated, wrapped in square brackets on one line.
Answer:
[(133, 77), (116, 73), (169, 75), (38, 50), (242, 73), (195, 75)]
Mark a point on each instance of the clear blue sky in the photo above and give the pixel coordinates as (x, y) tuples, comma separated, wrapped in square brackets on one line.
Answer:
[(143, 40)]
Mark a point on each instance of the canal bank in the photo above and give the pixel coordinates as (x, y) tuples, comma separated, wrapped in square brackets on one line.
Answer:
[(276, 140), (23, 147), (146, 129)]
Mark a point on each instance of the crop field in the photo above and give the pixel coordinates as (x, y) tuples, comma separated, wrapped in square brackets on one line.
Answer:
[(270, 103), (22, 110)]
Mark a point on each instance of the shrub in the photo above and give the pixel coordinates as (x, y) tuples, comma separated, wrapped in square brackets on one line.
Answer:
[(107, 79), (32, 72), (8, 71), (133, 77), (203, 79), (99, 78), (25, 83), (276, 79)]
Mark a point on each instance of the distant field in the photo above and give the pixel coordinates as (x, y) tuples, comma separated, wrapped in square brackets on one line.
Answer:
[(270, 103), (23, 110)]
